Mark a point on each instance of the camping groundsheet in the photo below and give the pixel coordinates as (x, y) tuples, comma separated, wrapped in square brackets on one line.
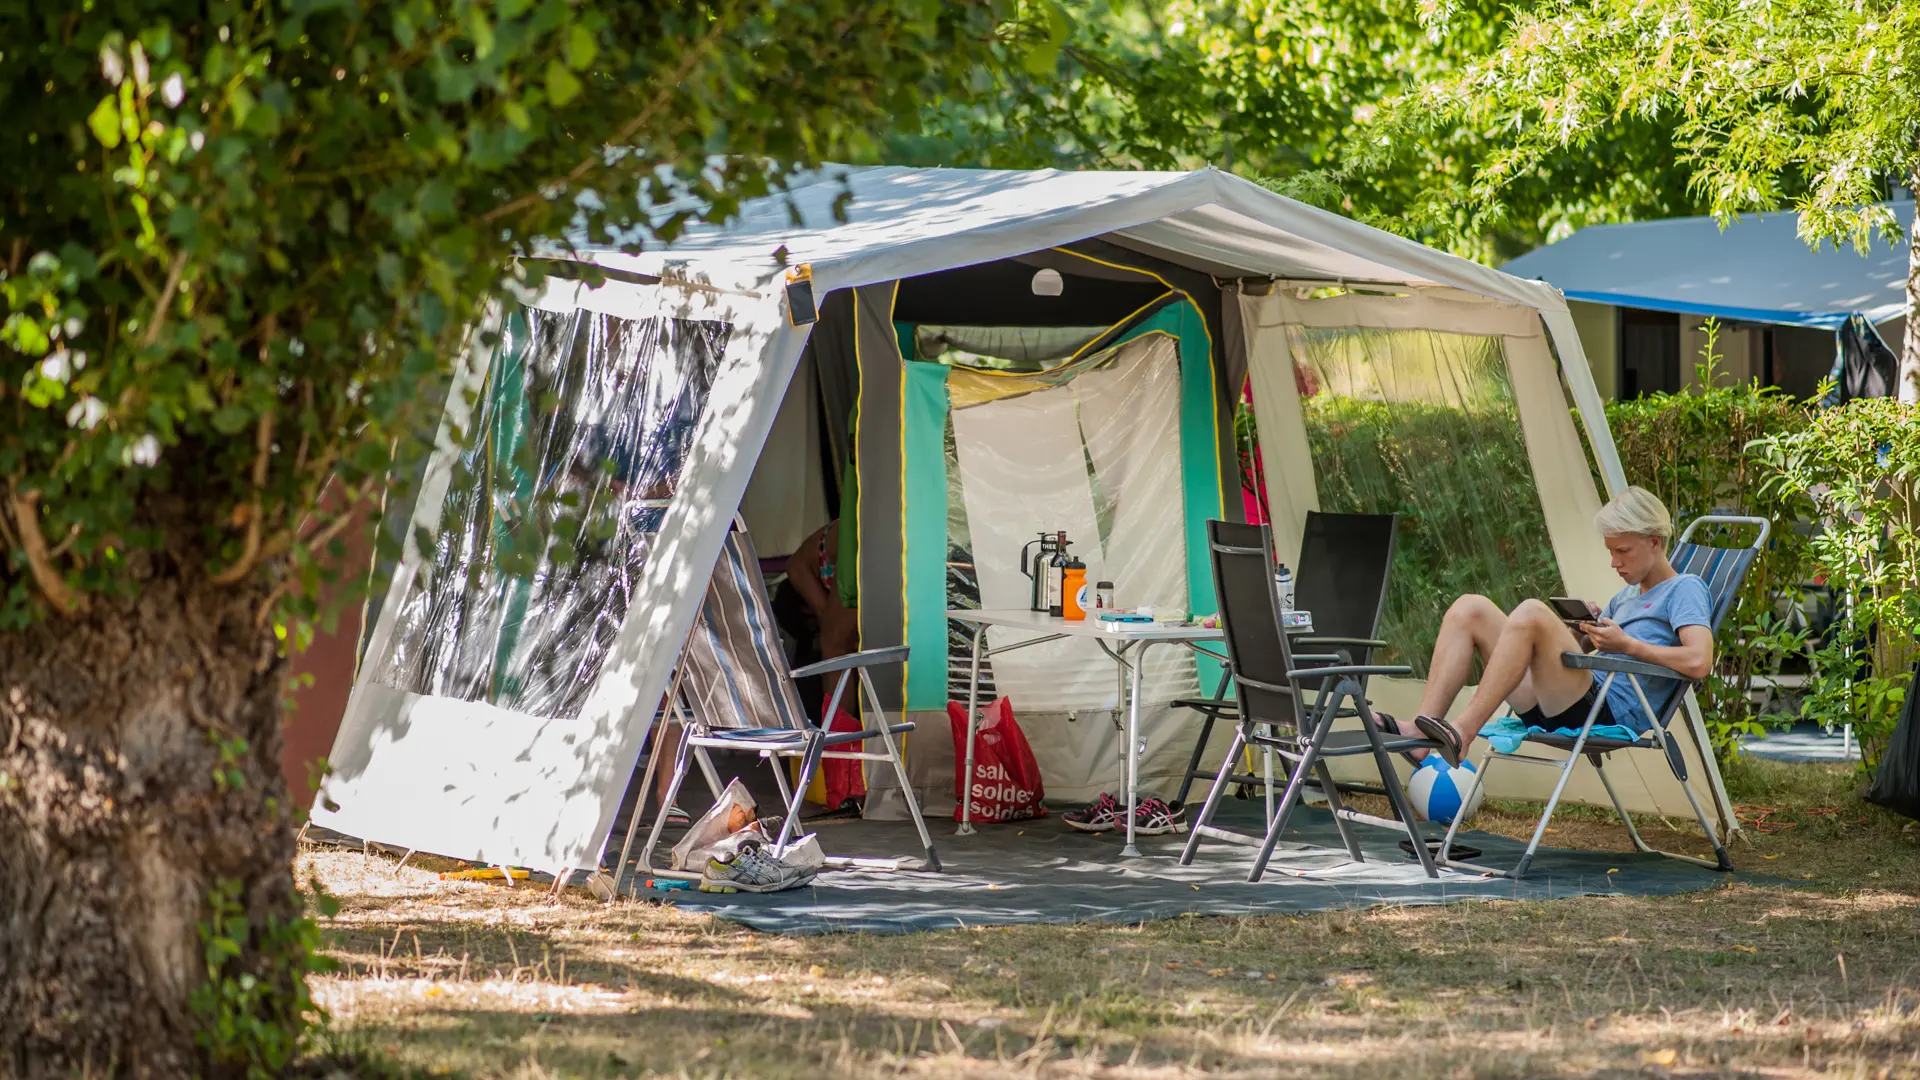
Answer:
[(1042, 872)]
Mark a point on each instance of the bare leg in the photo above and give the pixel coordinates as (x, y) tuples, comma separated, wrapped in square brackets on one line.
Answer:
[(669, 745), (1469, 629), (1527, 655)]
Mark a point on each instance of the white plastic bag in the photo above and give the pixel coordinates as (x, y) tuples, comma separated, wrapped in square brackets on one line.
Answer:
[(805, 853), (733, 811)]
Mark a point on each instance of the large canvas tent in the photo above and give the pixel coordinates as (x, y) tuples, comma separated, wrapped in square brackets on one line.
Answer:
[(992, 353)]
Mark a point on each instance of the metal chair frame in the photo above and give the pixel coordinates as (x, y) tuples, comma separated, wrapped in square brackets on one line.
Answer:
[(1312, 739), (1351, 650)]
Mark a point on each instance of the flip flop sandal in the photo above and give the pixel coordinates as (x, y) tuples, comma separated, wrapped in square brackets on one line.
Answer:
[(1443, 733), (1392, 727)]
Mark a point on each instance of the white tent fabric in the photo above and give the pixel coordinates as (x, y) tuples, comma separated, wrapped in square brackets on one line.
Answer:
[(454, 778), (1757, 269)]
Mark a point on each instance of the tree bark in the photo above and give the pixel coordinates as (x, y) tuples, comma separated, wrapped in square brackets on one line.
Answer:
[(119, 814), (1910, 338)]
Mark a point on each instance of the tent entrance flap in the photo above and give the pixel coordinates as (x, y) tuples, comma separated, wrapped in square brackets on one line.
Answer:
[(1098, 457)]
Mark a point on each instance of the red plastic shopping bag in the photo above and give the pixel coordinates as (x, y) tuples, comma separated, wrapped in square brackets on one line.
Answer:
[(1006, 777)]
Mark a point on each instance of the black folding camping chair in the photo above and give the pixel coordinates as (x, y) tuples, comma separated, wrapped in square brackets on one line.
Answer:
[(1270, 681), (1723, 569), (733, 691), (1346, 561)]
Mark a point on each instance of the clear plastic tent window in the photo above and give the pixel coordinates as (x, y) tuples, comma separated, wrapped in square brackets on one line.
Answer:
[(1424, 423), (582, 428)]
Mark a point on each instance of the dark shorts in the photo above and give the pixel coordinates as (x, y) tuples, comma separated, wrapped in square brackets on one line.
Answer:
[(1573, 716)]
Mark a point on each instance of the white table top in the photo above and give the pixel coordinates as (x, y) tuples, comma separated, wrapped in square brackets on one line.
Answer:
[(1022, 619)]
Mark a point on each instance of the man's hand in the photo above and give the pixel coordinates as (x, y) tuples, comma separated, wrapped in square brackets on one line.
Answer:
[(1607, 636)]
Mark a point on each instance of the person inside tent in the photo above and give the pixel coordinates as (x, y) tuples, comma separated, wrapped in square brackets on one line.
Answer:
[(815, 570), (821, 572), (1661, 617)]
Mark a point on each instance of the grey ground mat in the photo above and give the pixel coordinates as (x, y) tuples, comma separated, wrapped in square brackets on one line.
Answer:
[(1041, 872)]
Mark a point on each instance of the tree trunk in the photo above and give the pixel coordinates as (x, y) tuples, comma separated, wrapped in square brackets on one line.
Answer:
[(1910, 339), (140, 770)]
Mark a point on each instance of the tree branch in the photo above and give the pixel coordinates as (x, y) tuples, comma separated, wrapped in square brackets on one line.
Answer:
[(250, 550), (73, 534), (262, 459), (26, 517), (626, 132), (152, 333)]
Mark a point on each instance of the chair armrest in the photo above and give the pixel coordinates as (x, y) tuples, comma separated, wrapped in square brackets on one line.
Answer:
[(1206, 705), (1346, 670), (1317, 658), (1621, 665), (895, 654), (1349, 642)]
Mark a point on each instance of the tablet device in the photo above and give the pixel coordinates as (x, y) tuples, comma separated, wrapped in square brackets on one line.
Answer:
[(1571, 610)]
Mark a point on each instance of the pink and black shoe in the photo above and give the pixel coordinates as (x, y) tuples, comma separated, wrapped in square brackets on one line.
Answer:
[(1103, 814)]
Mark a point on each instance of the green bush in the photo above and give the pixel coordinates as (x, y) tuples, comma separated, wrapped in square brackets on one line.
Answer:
[(1855, 468), (1691, 449)]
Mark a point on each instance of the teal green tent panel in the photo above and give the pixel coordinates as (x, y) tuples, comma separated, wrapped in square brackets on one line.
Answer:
[(924, 406)]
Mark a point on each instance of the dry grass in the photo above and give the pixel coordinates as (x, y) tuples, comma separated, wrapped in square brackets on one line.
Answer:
[(1749, 979)]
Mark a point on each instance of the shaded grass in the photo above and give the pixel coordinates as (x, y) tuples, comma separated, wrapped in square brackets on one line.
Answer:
[(1750, 978)]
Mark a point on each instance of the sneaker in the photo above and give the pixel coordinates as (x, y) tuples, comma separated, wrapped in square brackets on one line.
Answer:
[(1155, 816), (752, 870), (1104, 814)]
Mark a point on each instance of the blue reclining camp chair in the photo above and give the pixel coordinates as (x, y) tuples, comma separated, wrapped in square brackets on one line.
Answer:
[(1723, 569), (733, 691)]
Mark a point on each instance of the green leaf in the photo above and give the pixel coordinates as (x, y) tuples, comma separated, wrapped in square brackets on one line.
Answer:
[(562, 85), (1041, 58), (105, 121), (581, 48), (230, 419)]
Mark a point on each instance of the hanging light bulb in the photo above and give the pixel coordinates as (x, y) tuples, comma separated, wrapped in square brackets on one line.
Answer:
[(1047, 282)]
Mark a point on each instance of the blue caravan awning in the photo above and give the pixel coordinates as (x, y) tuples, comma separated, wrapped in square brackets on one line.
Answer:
[(1758, 270)]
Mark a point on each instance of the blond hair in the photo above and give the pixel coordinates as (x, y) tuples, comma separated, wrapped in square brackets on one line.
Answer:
[(1634, 512)]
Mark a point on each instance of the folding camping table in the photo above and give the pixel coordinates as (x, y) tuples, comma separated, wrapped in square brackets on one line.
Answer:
[(1117, 640)]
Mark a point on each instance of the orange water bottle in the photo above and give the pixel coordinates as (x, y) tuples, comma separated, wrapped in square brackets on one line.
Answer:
[(1073, 590)]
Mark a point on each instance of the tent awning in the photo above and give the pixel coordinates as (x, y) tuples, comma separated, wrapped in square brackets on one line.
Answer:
[(1757, 269), (862, 225)]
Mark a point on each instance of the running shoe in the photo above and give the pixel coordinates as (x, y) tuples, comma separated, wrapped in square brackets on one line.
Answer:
[(752, 870), (1104, 814), (1156, 816)]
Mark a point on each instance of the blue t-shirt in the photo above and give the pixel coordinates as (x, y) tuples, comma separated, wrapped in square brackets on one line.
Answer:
[(1655, 617)]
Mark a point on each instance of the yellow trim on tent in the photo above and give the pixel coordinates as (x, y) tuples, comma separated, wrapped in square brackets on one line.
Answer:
[(1214, 398)]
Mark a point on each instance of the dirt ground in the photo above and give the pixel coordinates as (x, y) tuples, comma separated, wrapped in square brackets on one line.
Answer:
[(1811, 974)]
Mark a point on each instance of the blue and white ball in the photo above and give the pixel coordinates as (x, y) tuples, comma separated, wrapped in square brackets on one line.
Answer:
[(1439, 792)]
